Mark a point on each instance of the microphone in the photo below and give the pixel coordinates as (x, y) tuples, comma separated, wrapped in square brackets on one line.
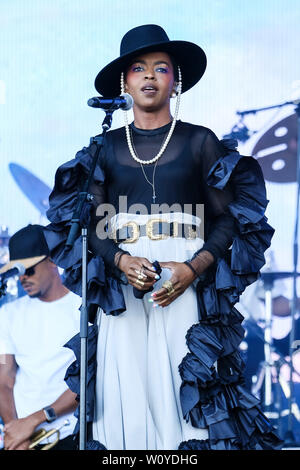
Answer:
[(17, 270), (124, 101)]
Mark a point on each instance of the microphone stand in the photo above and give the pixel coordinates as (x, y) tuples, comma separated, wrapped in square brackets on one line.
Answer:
[(3, 287), (268, 280), (289, 438), (78, 222)]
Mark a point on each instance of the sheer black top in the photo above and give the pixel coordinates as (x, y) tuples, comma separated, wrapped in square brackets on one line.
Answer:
[(180, 178)]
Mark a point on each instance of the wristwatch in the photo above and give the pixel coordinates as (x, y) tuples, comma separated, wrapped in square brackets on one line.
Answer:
[(50, 414)]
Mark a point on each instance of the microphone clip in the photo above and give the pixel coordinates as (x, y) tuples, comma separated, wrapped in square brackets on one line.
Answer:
[(107, 121)]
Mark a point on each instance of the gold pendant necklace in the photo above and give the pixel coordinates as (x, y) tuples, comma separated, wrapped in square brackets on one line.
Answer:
[(151, 184), (145, 176)]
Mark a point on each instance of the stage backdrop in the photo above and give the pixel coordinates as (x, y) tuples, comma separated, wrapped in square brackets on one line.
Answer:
[(51, 51)]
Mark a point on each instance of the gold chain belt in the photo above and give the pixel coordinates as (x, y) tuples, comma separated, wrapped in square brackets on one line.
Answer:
[(155, 229)]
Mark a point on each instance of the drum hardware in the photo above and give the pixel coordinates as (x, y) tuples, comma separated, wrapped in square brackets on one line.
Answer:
[(4, 239), (268, 278), (265, 376), (287, 392), (281, 388), (4, 255), (11, 288), (264, 335), (282, 384), (42, 434)]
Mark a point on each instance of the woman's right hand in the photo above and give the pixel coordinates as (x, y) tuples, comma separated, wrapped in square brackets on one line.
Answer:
[(133, 265)]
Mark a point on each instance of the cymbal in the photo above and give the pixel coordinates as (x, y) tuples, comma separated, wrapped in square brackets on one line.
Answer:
[(34, 189)]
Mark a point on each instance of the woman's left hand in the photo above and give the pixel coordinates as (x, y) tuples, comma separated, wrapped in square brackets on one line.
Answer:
[(182, 277)]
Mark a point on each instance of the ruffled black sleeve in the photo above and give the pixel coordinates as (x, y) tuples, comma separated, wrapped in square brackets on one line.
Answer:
[(104, 283), (213, 392), (219, 224)]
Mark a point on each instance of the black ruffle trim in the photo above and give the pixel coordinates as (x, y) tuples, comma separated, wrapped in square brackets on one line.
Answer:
[(212, 392)]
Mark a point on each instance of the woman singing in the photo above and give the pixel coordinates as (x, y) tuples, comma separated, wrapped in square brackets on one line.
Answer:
[(186, 236)]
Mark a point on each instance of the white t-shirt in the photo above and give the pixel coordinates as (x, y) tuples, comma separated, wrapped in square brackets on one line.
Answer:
[(35, 333)]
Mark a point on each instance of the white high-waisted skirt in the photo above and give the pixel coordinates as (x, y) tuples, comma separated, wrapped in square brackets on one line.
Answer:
[(137, 402)]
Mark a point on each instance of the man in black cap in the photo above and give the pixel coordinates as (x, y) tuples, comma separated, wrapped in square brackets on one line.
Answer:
[(33, 361)]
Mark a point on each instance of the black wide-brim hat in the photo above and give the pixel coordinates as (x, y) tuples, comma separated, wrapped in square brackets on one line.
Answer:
[(152, 38), (28, 247)]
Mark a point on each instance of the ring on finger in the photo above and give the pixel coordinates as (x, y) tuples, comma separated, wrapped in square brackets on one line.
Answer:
[(139, 282), (140, 273), (171, 291), (169, 286)]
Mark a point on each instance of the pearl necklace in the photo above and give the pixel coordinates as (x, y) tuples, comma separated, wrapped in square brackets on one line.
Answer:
[(164, 145)]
